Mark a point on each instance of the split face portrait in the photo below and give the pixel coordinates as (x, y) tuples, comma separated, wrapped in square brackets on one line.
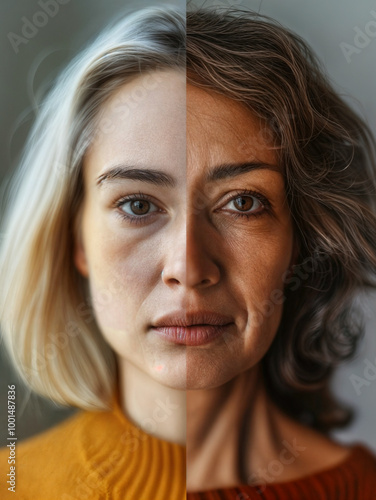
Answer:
[(192, 219)]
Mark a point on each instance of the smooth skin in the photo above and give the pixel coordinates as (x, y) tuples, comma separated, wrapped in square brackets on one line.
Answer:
[(185, 210)]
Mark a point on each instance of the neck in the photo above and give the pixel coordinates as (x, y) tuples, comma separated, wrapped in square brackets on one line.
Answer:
[(155, 408), (216, 432), (232, 429)]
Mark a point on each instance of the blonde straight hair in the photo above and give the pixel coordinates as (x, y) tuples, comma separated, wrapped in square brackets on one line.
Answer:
[(46, 317)]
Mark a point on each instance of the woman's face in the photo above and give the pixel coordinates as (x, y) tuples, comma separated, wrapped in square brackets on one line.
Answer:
[(184, 222)]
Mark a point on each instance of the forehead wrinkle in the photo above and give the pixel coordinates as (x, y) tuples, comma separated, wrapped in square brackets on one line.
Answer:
[(220, 131), (199, 154)]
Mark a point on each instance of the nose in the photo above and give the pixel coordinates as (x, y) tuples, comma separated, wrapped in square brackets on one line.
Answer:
[(190, 261)]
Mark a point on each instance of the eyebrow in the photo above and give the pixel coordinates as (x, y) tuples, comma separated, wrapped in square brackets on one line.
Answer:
[(228, 170), (151, 176)]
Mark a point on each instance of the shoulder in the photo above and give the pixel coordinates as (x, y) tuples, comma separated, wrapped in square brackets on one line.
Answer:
[(354, 477), (314, 455), (363, 464), (356, 463), (323, 466), (49, 462), (91, 454)]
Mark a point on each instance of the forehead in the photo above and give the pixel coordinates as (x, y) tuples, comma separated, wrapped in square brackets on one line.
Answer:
[(158, 121), (221, 130), (142, 123)]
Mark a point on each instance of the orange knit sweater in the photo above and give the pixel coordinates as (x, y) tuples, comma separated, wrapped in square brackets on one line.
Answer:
[(95, 456), (103, 456)]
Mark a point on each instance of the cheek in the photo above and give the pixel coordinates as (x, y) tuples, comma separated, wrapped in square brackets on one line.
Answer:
[(259, 256), (256, 276), (123, 279), (119, 280)]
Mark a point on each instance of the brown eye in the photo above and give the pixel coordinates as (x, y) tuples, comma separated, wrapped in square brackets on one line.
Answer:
[(245, 203), (140, 207), (137, 207)]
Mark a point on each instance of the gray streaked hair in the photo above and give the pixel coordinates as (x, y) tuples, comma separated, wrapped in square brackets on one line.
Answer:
[(327, 154)]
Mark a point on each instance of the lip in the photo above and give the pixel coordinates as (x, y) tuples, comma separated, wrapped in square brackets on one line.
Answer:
[(192, 328)]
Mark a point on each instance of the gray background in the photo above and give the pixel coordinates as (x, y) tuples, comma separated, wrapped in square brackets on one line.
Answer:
[(25, 77)]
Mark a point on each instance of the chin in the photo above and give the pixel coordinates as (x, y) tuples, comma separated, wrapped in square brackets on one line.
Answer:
[(177, 381), (209, 378), (182, 384), (171, 373)]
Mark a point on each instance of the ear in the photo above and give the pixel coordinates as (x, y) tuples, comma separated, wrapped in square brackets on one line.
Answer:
[(79, 259), (79, 254)]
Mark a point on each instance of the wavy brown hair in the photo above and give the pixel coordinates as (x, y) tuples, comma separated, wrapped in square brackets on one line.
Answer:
[(328, 157)]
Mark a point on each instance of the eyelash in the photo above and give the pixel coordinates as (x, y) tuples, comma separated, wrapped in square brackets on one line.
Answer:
[(140, 219), (266, 205), (137, 219)]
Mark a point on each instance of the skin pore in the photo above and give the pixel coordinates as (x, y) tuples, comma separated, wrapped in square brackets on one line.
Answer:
[(187, 183)]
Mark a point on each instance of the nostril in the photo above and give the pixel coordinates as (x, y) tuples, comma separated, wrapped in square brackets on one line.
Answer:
[(205, 281), (171, 281)]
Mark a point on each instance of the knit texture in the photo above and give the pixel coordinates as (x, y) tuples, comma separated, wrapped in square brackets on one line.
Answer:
[(103, 456), (96, 456), (353, 479)]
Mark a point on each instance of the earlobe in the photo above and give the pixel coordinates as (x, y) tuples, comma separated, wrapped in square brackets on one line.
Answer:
[(80, 261), (79, 254)]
